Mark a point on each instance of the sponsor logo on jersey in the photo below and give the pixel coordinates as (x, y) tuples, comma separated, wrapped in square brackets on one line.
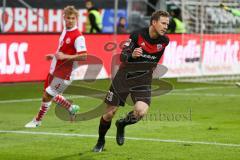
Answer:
[(68, 40), (159, 47), (142, 44), (109, 96), (148, 56)]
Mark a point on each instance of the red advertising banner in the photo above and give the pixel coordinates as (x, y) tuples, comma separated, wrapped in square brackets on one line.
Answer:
[(22, 57), (196, 55)]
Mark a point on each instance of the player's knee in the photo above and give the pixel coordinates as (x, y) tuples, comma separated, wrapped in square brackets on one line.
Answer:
[(141, 109), (140, 113), (143, 113), (46, 97), (111, 111), (108, 116)]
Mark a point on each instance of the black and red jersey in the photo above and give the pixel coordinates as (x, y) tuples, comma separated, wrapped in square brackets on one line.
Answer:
[(153, 49)]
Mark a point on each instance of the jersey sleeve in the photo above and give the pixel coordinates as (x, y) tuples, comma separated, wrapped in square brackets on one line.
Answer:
[(128, 47), (132, 41), (80, 44)]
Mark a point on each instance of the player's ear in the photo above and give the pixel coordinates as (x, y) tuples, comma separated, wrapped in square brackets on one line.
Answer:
[(154, 22)]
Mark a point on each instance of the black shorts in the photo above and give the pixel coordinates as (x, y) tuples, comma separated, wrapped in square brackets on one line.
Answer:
[(137, 84)]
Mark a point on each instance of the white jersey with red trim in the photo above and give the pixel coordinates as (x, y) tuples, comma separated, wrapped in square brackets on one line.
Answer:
[(71, 42)]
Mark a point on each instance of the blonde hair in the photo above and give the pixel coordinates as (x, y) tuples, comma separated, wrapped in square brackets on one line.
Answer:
[(69, 10)]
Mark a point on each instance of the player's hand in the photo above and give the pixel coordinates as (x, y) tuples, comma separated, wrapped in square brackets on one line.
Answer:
[(49, 57), (60, 56), (137, 52)]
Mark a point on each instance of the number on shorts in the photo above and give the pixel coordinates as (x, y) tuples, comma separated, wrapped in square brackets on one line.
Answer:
[(110, 96), (57, 86)]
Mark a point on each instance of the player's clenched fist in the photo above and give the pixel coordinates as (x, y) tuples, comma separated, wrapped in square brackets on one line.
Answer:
[(137, 52), (49, 56), (59, 56)]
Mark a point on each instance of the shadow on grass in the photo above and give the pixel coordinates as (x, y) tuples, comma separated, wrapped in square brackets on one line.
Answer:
[(87, 155)]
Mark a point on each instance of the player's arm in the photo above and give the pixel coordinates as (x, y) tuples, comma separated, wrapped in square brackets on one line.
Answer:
[(49, 56), (61, 56), (130, 49), (79, 56)]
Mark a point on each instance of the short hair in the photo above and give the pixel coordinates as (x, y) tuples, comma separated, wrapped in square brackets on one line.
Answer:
[(69, 10), (157, 14), (88, 1)]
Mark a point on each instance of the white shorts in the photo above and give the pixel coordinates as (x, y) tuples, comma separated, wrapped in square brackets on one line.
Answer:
[(57, 86)]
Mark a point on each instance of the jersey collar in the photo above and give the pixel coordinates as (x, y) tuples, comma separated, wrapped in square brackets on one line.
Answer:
[(71, 29)]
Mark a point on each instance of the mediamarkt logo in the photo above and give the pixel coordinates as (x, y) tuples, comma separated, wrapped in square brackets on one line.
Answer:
[(212, 53), (12, 58)]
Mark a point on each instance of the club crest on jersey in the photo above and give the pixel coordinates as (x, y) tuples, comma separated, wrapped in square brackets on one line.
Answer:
[(127, 43), (159, 47), (68, 40), (143, 44)]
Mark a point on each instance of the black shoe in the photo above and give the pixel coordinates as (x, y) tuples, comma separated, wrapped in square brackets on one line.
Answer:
[(99, 146), (120, 133)]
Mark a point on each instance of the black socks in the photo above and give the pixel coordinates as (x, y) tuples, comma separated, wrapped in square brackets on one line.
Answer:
[(129, 119), (103, 128)]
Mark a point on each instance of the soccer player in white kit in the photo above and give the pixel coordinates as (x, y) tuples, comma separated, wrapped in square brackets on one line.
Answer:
[(72, 48)]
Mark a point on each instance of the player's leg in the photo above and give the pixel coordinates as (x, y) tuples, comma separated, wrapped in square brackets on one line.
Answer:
[(104, 125), (116, 96), (63, 102), (140, 109), (141, 98), (113, 100), (56, 88), (53, 87), (45, 105)]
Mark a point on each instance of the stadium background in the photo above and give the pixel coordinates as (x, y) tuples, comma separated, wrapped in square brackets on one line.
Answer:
[(203, 66)]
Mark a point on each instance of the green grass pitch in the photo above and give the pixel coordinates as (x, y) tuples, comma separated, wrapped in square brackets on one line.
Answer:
[(192, 122)]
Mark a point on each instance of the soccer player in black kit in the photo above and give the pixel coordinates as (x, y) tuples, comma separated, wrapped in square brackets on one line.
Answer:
[(139, 57)]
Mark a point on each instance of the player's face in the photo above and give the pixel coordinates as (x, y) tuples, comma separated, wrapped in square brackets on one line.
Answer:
[(89, 5), (70, 21), (161, 25)]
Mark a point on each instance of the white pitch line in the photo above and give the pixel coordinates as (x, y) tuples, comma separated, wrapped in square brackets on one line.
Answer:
[(202, 88), (174, 92), (32, 99), (20, 100), (169, 94), (130, 138), (204, 94)]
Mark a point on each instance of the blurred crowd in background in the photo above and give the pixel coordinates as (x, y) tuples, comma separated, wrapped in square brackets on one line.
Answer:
[(187, 16)]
